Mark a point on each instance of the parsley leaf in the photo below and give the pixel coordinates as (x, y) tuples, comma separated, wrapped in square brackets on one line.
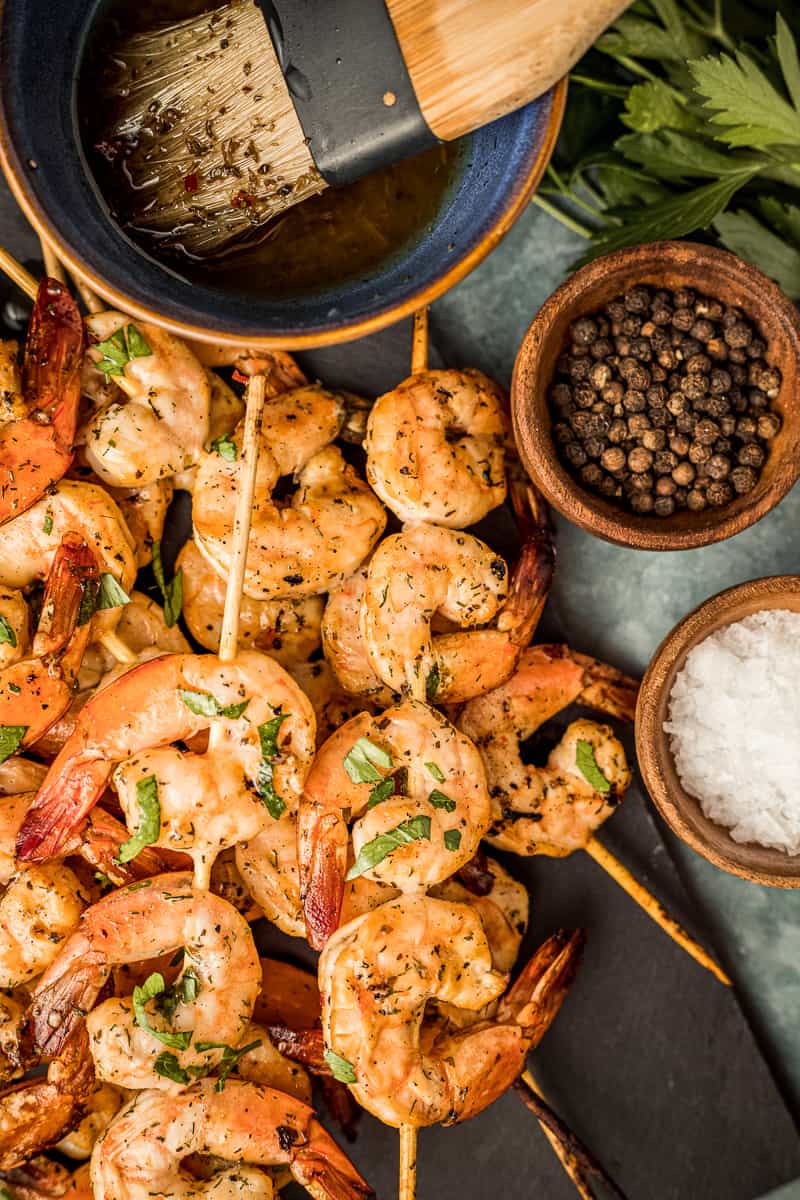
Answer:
[(47, 523), (436, 771), (110, 594), (7, 635), (382, 791), (225, 447), (745, 235), (452, 839), (230, 1057), (149, 819), (167, 1065), (341, 1069), (360, 762), (439, 800), (268, 736), (172, 592), (119, 349), (203, 704), (744, 102), (154, 986), (11, 739), (376, 850), (586, 763), (432, 683)]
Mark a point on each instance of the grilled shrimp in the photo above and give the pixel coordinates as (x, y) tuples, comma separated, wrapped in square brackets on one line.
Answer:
[(157, 421), (100, 1107), (554, 809), (247, 1126), (198, 802), (42, 1178), (288, 630), (39, 407), (209, 1005), (14, 625), (418, 818), (36, 689), (29, 543), (278, 368), (344, 645), (145, 511), (377, 975), (428, 570), (436, 447), (332, 523)]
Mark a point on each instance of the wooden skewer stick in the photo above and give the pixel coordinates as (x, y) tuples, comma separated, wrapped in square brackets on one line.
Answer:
[(408, 1162), (17, 274), (51, 264), (419, 342), (654, 909), (578, 1161), (92, 302)]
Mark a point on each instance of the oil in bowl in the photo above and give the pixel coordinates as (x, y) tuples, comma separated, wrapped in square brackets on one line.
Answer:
[(339, 235)]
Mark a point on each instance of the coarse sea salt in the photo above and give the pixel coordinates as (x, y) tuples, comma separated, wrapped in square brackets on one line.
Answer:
[(734, 725)]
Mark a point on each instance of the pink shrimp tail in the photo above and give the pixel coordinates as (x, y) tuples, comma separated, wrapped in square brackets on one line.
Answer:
[(537, 995), (70, 790), (322, 876), (61, 1001), (36, 451), (322, 1168), (73, 568)]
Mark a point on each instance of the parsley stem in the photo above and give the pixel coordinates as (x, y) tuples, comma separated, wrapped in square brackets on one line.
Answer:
[(582, 230), (572, 195), (597, 85), (634, 67)]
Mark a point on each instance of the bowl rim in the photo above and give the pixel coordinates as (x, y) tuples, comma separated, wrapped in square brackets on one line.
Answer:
[(666, 662), (517, 201), (532, 426)]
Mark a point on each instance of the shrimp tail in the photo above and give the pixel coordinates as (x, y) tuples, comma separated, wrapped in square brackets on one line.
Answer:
[(66, 796), (322, 838), (99, 843), (607, 689), (306, 1046), (35, 692), (533, 574), (37, 1113), (537, 995), (36, 451), (325, 1171), (59, 1004)]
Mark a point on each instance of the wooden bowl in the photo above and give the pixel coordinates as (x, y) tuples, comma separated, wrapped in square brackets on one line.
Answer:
[(714, 273), (681, 811)]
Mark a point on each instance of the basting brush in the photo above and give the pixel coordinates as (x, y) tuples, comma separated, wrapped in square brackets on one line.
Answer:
[(222, 121)]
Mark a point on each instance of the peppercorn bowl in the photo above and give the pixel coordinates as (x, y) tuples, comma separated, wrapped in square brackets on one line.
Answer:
[(681, 811), (765, 315)]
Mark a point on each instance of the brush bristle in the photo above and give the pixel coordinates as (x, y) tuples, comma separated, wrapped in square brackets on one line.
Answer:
[(205, 131)]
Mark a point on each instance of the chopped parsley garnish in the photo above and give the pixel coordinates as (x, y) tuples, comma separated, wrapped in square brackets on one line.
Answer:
[(452, 839), (225, 447), (88, 605), (436, 771), (382, 791), (432, 683), (203, 704), (361, 761), (154, 986), (586, 763), (172, 592), (47, 523), (7, 635), (11, 739), (268, 736), (376, 850), (167, 1065), (110, 594), (341, 1069), (439, 800), (119, 349), (149, 819), (230, 1057)]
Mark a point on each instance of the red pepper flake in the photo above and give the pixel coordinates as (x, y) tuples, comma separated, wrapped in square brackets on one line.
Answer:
[(243, 200), (240, 378), (191, 183)]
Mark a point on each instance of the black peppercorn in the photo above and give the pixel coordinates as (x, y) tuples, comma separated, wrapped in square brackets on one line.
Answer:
[(744, 479), (719, 493), (583, 331), (751, 455), (642, 503)]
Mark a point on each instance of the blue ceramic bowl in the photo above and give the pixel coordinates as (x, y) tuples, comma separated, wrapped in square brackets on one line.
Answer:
[(43, 160)]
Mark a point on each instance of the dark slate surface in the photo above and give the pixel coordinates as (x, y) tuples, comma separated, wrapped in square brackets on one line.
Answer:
[(651, 1060)]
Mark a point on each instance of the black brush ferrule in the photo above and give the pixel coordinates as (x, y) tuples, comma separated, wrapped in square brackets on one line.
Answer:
[(349, 84)]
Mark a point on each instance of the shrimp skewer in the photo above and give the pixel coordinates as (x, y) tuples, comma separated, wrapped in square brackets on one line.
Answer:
[(556, 809)]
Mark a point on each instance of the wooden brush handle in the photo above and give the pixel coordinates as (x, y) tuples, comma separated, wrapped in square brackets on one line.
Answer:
[(472, 61)]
